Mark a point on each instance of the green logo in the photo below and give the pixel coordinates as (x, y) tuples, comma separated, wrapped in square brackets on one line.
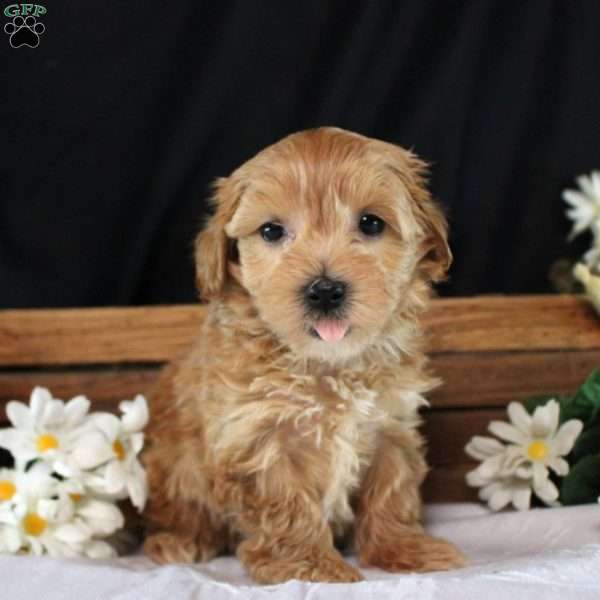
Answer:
[(24, 29), (22, 10)]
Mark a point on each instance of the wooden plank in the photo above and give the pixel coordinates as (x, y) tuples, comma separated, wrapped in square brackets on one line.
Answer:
[(471, 379), (497, 378), (98, 335), (156, 334), (551, 322), (447, 432), (447, 484), (105, 387)]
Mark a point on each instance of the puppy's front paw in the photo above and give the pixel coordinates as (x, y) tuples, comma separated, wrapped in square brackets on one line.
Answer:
[(165, 548), (325, 569), (417, 552)]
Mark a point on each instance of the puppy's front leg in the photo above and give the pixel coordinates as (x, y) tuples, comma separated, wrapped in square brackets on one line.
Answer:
[(270, 479), (389, 534)]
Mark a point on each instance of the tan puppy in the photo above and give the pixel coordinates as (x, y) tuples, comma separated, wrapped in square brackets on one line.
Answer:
[(293, 419)]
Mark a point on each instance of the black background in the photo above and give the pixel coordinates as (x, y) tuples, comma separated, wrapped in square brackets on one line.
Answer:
[(113, 128)]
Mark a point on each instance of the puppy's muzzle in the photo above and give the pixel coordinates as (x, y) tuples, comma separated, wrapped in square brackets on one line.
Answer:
[(325, 295)]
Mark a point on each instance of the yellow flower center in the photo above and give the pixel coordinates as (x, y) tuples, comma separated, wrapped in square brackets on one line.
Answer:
[(119, 450), (46, 442), (34, 524), (538, 450), (75, 497), (7, 489)]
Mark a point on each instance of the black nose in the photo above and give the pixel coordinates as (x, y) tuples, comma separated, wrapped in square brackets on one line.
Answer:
[(325, 294)]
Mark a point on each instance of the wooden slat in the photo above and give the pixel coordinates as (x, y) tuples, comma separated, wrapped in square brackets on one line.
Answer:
[(497, 378), (105, 388), (470, 379), (447, 484), (512, 323), (99, 335), (447, 433), (156, 334)]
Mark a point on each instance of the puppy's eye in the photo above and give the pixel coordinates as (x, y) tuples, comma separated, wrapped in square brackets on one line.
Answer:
[(371, 225), (272, 232)]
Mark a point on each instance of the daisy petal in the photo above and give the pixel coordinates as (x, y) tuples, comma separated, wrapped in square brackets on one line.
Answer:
[(545, 419), (135, 413), (11, 540), (92, 451), (475, 478), (521, 498), (595, 185), (75, 411), (39, 398), (482, 447), (115, 478), (54, 414), (19, 415), (137, 487), (565, 438), (546, 491), (71, 534), (500, 498), (105, 518), (519, 417), (540, 474), (559, 465), (108, 424), (489, 490), (137, 442), (507, 432), (99, 550)]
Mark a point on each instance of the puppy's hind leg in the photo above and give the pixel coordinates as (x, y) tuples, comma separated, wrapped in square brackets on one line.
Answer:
[(388, 530)]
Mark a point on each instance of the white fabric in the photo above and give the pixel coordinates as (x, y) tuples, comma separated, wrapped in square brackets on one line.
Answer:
[(543, 554)]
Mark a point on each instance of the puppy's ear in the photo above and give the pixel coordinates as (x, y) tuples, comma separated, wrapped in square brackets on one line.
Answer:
[(436, 256), (213, 249)]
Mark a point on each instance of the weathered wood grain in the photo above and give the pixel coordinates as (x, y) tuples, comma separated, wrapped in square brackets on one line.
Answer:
[(447, 484), (106, 335), (96, 335), (470, 379), (447, 432), (494, 379), (104, 387)]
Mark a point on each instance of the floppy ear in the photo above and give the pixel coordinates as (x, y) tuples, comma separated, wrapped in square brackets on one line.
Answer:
[(213, 249), (436, 256)]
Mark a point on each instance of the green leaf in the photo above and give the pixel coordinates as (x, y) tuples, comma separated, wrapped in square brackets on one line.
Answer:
[(582, 484), (587, 443), (585, 404)]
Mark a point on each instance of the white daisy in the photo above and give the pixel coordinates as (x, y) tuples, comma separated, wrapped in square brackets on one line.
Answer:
[(47, 429), (508, 473), (585, 204), (108, 460), (35, 519), (98, 517)]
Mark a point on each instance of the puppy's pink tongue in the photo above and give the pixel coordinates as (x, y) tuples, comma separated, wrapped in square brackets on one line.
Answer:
[(331, 330)]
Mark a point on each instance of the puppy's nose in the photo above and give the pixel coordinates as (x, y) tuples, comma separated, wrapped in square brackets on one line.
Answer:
[(325, 294)]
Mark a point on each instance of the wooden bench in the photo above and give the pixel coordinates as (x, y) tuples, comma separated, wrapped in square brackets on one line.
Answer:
[(489, 350)]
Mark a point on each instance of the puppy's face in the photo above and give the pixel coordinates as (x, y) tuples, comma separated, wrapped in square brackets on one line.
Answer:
[(332, 232)]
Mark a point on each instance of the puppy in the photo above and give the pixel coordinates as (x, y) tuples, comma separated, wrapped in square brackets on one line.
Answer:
[(292, 421)]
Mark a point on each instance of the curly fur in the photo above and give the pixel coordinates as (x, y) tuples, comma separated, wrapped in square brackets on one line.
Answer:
[(266, 440)]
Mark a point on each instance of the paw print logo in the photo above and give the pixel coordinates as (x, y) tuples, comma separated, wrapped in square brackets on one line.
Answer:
[(24, 31)]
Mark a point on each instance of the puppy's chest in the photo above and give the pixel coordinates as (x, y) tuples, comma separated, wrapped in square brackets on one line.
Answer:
[(339, 417)]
